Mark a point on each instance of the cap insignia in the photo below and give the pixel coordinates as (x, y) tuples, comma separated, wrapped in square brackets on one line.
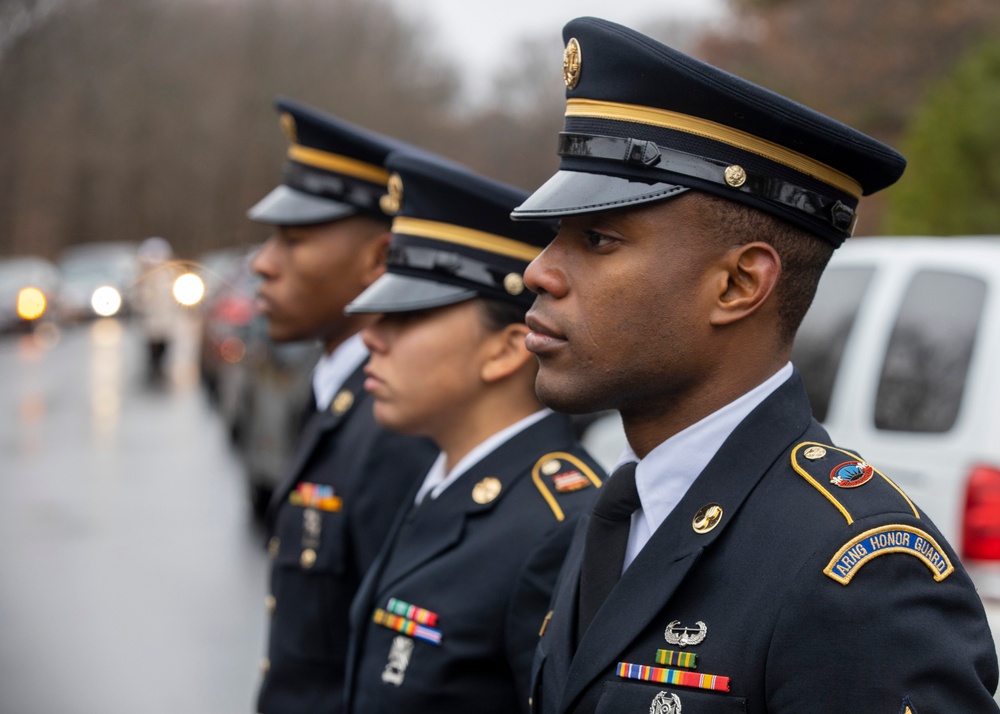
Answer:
[(288, 126), (391, 202), (513, 283), (572, 62), (735, 176)]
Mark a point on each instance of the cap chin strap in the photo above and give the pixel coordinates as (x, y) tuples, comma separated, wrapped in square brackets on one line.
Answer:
[(831, 211)]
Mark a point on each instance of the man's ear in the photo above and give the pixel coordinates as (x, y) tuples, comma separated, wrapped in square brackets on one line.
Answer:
[(746, 278), (506, 353), (375, 253)]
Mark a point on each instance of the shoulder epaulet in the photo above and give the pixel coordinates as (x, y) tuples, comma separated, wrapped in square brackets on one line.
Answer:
[(841, 477), (561, 472), (854, 487)]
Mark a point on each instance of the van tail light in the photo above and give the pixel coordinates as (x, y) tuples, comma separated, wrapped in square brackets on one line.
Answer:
[(981, 522)]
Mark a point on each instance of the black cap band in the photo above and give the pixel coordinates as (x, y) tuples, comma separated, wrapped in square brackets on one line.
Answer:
[(830, 210)]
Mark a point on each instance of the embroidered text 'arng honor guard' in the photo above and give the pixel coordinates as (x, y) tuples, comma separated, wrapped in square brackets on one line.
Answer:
[(448, 618), (348, 475), (764, 569)]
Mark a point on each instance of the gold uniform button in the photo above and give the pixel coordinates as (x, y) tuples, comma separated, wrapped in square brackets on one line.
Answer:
[(270, 602), (308, 558), (513, 284), (551, 467), (265, 666), (273, 546), (815, 452)]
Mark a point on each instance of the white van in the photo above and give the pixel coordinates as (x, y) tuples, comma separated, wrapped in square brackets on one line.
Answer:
[(900, 354)]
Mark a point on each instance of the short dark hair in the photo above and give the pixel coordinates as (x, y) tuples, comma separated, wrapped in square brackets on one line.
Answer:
[(804, 255), (497, 314)]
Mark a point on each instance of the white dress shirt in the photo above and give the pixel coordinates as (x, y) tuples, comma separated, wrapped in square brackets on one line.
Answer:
[(667, 472), (333, 369), (437, 480)]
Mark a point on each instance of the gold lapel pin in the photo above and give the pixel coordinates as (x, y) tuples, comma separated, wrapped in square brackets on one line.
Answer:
[(707, 518)]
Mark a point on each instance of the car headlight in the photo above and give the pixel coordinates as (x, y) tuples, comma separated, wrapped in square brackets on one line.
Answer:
[(106, 301), (189, 289), (30, 303)]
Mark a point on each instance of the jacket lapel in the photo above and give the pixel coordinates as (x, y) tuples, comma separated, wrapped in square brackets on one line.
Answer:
[(317, 426), (654, 576), (438, 524)]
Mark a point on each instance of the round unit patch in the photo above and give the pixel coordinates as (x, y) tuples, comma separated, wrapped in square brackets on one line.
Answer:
[(851, 474)]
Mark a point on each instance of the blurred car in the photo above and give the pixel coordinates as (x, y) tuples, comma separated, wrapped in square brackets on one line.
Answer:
[(97, 280), (898, 354), (28, 285)]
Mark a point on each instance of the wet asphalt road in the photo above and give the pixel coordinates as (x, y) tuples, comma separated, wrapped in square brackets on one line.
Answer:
[(132, 575)]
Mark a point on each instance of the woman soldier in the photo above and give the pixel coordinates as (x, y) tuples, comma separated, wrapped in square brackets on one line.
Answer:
[(448, 618)]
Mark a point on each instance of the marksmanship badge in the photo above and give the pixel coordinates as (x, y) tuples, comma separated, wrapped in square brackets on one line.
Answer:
[(399, 660), (665, 703)]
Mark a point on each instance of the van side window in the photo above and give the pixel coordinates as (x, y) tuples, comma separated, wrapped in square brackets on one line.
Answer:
[(926, 363), (819, 345)]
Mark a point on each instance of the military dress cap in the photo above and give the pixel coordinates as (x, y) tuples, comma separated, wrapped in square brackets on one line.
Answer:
[(333, 170), (452, 239), (645, 122)]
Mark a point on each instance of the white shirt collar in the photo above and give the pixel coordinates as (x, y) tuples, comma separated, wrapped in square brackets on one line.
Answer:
[(437, 480), (667, 472), (333, 369)]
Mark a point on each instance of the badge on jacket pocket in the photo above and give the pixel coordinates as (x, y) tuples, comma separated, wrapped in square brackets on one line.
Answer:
[(399, 660)]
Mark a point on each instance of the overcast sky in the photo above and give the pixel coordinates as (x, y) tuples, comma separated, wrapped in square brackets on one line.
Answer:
[(479, 33)]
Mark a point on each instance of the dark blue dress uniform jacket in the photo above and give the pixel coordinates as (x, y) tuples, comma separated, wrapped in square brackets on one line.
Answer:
[(486, 569), (792, 640), (371, 470)]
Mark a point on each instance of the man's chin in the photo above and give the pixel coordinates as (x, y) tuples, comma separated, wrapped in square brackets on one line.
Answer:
[(566, 395)]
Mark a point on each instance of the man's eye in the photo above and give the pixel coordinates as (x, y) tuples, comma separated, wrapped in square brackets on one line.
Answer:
[(598, 240)]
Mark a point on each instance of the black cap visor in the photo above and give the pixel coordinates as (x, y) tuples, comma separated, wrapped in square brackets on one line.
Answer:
[(404, 293), (569, 193), (286, 206)]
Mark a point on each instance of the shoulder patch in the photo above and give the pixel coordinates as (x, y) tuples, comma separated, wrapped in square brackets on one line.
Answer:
[(833, 471), (565, 473), (883, 540)]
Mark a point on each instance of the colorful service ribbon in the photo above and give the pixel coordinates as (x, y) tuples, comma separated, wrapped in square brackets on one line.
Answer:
[(407, 627), (412, 612), (673, 676), (570, 481), (673, 658), (315, 495)]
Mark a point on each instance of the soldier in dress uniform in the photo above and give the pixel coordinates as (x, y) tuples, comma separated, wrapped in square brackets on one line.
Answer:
[(448, 617), (737, 560), (348, 475)]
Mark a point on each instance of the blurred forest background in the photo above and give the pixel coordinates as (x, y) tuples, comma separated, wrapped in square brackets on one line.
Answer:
[(121, 119)]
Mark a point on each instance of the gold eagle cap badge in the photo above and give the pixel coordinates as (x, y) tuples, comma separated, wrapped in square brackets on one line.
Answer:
[(572, 62), (288, 126), (391, 202)]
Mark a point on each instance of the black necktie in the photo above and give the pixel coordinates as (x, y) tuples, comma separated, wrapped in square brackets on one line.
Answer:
[(607, 539)]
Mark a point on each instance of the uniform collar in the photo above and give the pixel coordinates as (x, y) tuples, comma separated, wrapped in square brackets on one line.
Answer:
[(667, 472), (333, 369), (437, 480)]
